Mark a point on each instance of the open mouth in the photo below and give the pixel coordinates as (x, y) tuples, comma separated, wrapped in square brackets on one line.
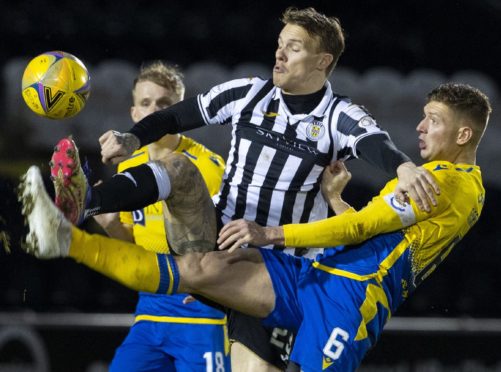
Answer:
[(278, 69)]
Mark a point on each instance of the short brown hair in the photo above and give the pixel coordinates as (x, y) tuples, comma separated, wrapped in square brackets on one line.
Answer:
[(327, 29), (160, 73), (468, 102)]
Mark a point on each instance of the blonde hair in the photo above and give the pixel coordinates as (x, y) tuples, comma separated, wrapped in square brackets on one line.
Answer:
[(160, 73)]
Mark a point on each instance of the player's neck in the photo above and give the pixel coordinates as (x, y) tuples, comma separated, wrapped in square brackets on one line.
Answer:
[(466, 156), (164, 146), (461, 158), (311, 85), (467, 160)]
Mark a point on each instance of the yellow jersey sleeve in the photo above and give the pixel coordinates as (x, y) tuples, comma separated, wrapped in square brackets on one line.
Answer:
[(382, 215)]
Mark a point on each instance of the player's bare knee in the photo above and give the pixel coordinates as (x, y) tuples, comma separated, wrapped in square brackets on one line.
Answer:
[(201, 268), (189, 266), (211, 265)]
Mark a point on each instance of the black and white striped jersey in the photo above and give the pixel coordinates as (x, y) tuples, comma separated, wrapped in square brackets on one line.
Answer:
[(276, 158)]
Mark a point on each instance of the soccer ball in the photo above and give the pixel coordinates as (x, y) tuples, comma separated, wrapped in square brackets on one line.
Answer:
[(56, 85)]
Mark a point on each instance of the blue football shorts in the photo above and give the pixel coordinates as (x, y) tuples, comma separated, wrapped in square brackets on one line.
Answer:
[(161, 346), (322, 309)]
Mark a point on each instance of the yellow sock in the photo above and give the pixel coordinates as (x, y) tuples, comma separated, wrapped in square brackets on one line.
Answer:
[(127, 263)]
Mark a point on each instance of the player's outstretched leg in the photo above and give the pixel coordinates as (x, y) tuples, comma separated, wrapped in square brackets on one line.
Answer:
[(70, 183), (49, 233), (190, 215), (239, 280)]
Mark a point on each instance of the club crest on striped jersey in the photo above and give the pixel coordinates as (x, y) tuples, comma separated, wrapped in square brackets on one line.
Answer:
[(367, 121), (315, 130)]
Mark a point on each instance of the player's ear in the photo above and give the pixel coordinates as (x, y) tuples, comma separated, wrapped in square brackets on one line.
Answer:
[(325, 61), (464, 135)]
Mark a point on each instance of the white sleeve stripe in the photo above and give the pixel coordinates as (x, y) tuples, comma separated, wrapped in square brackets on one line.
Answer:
[(202, 111), (404, 212)]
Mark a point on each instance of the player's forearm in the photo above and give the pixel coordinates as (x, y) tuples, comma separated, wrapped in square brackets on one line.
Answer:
[(274, 235), (344, 229), (178, 118), (380, 151), (338, 205), (328, 232)]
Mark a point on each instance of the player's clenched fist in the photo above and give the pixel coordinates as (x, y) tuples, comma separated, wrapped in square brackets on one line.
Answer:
[(116, 146)]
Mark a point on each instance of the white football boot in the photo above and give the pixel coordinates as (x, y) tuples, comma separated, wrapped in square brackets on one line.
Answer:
[(49, 233)]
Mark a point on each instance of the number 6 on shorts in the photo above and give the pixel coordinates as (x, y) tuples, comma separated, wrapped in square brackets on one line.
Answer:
[(334, 347)]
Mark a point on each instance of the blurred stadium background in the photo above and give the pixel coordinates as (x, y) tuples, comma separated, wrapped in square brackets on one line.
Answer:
[(59, 316)]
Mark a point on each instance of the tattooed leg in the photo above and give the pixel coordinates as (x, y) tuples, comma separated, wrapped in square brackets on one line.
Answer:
[(190, 215)]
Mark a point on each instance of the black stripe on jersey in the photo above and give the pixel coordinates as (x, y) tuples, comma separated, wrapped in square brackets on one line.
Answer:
[(250, 164), (266, 193), (290, 200), (247, 111), (291, 132), (305, 217), (246, 115), (331, 127), (245, 130), (275, 169), (223, 199), (269, 120), (226, 97), (349, 126), (290, 195), (308, 204)]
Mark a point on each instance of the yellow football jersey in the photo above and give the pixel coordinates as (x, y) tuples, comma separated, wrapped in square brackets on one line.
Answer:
[(429, 236), (148, 223)]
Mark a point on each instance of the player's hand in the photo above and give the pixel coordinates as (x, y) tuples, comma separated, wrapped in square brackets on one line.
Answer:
[(418, 184), (116, 146), (335, 178), (240, 233)]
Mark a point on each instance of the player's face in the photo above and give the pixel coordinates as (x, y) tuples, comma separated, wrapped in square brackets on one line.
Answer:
[(438, 133), (150, 97), (297, 62)]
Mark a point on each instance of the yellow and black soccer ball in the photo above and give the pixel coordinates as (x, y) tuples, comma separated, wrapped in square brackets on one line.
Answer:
[(56, 85)]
